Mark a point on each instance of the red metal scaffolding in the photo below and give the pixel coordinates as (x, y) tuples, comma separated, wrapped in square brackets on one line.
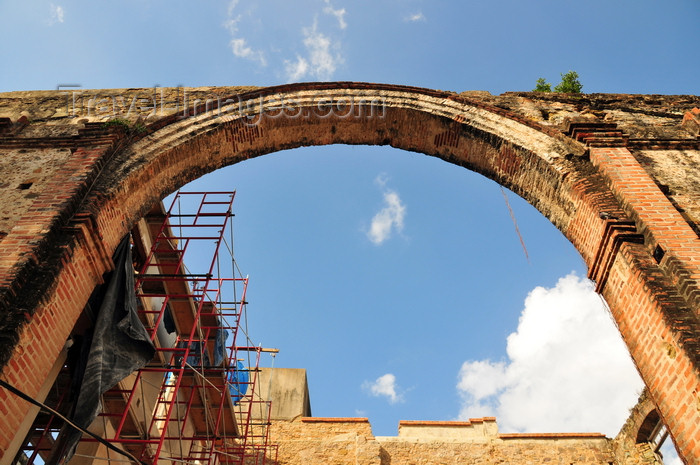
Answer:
[(197, 401)]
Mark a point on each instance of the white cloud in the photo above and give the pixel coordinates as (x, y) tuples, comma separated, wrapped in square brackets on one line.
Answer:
[(385, 386), (321, 60), (239, 45), (241, 49), (296, 70), (568, 369), (339, 14), (232, 6), (318, 45), (415, 17), (389, 218), (482, 378), (57, 14)]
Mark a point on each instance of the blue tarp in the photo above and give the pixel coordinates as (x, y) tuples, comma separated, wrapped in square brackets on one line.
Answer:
[(238, 382), (194, 358)]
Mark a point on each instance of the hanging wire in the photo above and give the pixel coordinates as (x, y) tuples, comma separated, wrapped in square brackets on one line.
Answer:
[(179, 214), (180, 426), (162, 456), (107, 459), (104, 427), (609, 313), (515, 223), (272, 371)]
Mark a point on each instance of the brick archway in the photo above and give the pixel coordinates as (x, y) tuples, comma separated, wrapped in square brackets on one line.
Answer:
[(640, 250)]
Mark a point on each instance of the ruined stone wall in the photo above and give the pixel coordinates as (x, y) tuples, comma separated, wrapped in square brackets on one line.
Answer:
[(349, 441), (332, 441), (617, 174), (627, 447)]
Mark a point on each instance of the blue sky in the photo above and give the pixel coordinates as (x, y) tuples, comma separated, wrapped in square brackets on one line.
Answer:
[(437, 315)]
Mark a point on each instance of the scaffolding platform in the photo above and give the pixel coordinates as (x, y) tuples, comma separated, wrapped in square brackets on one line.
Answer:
[(193, 402)]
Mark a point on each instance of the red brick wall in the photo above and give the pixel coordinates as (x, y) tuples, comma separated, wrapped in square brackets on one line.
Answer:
[(50, 233), (653, 303)]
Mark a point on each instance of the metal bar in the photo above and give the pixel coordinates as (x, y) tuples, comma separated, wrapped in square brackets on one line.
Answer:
[(202, 225), (193, 238), (257, 349), (128, 406), (231, 193), (185, 215), (47, 428), (182, 276)]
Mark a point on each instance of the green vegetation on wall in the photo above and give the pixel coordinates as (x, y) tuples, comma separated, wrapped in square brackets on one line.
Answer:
[(569, 84)]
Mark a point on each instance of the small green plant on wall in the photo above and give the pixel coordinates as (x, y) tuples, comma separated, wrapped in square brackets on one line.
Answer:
[(569, 84), (131, 128), (542, 86)]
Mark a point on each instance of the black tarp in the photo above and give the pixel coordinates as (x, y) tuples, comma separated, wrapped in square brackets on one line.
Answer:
[(120, 345), (220, 346)]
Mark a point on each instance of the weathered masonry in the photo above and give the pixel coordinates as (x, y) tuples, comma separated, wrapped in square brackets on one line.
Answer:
[(619, 175)]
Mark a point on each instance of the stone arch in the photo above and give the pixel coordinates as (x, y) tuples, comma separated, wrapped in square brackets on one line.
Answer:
[(576, 180), (539, 164), (641, 437), (646, 429)]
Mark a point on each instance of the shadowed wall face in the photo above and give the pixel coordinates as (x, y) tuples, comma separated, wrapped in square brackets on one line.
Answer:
[(617, 174)]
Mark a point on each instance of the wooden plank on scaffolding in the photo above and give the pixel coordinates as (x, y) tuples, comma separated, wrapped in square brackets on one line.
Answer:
[(207, 403)]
